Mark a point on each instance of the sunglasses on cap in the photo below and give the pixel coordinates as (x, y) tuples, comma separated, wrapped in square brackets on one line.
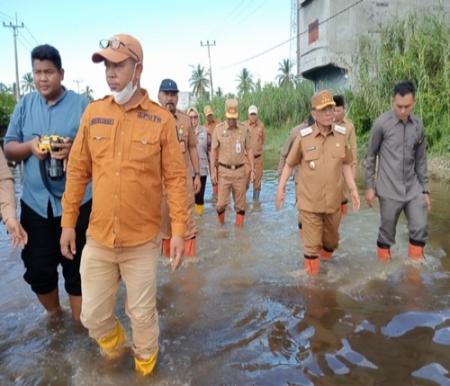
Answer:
[(115, 44)]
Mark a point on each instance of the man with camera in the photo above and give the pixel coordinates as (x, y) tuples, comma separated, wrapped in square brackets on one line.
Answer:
[(40, 134)]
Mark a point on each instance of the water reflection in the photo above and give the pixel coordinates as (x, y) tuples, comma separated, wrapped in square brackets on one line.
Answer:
[(243, 312)]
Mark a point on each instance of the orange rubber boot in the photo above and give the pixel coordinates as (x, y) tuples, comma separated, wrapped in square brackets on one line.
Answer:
[(312, 266), (221, 217), (240, 220), (190, 247), (326, 255), (415, 252), (384, 255), (165, 247)]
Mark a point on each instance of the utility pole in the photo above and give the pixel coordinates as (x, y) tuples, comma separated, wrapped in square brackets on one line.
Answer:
[(78, 81), (14, 28), (208, 44)]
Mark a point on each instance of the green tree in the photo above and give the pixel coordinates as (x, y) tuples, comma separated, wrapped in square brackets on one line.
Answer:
[(28, 83), (198, 81), (245, 82), (219, 92), (7, 103), (88, 92), (285, 76)]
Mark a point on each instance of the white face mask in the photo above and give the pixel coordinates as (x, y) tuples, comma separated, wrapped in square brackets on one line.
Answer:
[(123, 96)]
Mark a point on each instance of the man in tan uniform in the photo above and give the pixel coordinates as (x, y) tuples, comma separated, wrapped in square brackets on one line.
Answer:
[(210, 123), (257, 143), (168, 98), (323, 157), (229, 148), (341, 120)]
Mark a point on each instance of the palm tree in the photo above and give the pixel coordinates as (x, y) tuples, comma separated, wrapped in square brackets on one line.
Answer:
[(89, 93), (246, 84), (198, 81), (28, 83), (285, 77), (219, 92)]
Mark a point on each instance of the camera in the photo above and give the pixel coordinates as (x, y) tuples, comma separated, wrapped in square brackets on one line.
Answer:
[(55, 167)]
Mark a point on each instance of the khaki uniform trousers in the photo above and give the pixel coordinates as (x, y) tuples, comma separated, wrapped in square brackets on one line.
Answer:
[(101, 270), (320, 230), (191, 226), (258, 164), (234, 182)]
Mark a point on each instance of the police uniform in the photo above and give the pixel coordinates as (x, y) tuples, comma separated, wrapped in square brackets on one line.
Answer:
[(186, 138), (232, 145)]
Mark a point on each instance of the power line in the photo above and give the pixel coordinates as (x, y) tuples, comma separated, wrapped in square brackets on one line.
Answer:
[(32, 36), (9, 17), (253, 11), (293, 37)]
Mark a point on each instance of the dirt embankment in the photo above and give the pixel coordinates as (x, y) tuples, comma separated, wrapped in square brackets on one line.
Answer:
[(439, 169)]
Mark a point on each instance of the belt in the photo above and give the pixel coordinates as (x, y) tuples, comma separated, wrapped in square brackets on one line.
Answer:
[(232, 167), (257, 156)]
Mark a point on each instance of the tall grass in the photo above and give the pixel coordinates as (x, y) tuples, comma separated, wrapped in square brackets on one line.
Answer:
[(280, 108), (418, 48)]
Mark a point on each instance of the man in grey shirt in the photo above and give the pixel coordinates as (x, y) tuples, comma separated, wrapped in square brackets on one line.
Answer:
[(401, 184)]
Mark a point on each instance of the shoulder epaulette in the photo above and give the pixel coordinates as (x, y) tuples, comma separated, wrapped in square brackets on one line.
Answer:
[(306, 131), (340, 129)]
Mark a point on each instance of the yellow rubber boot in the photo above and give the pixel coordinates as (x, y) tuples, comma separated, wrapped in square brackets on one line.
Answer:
[(112, 345), (199, 209), (145, 366)]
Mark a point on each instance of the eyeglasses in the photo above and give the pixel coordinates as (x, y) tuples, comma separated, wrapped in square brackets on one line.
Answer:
[(193, 116), (115, 44)]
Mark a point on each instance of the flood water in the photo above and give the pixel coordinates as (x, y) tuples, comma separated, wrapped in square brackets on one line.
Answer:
[(244, 312)]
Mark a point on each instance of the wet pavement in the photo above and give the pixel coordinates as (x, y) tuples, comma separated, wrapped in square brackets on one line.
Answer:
[(244, 312)]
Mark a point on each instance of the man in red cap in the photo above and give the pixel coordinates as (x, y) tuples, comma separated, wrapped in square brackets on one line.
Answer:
[(126, 145)]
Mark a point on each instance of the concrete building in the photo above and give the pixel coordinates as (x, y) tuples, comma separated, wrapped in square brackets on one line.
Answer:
[(328, 33)]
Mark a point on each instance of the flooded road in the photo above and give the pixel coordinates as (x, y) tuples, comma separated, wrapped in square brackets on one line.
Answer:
[(244, 312)]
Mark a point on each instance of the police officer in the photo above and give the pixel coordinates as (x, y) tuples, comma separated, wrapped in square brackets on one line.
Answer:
[(168, 98), (257, 143), (230, 146), (323, 157), (398, 141), (341, 120)]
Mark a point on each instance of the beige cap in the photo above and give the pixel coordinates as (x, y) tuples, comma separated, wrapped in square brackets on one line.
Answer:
[(207, 110), (252, 110), (322, 99), (119, 48), (231, 109)]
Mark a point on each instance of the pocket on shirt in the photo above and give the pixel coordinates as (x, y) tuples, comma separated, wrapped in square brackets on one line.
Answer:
[(338, 151), (144, 148), (311, 155), (100, 142)]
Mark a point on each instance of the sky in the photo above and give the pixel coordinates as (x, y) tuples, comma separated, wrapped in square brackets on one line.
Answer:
[(169, 31)]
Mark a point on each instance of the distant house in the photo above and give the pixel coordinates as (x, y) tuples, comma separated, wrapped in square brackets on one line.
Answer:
[(329, 30), (185, 99)]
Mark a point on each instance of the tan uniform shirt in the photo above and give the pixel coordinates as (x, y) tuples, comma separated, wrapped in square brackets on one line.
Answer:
[(7, 196), (320, 159), (287, 145), (256, 136), (233, 143), (126, 153), (351, 138), (186, 137), (211, 126)]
